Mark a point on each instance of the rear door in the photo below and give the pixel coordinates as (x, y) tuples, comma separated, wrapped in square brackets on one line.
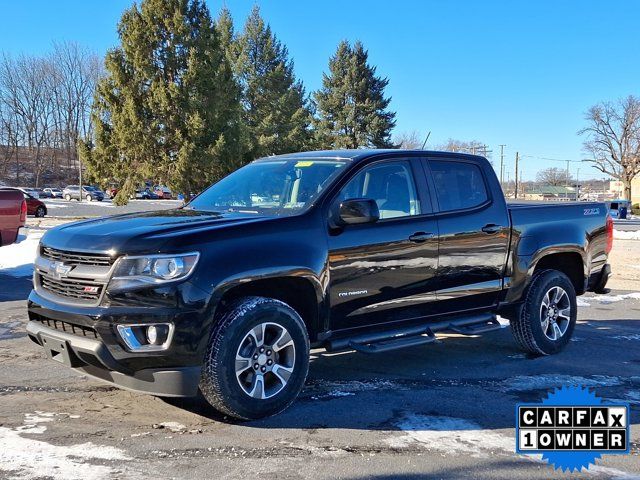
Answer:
[(474, 229), (384, 271)]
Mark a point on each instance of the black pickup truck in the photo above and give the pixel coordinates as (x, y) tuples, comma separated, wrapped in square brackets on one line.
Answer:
[(370, 250)]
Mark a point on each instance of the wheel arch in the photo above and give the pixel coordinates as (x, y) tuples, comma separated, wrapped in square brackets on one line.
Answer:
[(301, 291), (571, 263)]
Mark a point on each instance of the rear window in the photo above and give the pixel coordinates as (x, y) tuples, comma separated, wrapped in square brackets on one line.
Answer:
[(459, 185)]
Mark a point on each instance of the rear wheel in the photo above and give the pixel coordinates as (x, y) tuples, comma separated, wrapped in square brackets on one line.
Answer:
[(88, 197), (545, 322), (257, 360)]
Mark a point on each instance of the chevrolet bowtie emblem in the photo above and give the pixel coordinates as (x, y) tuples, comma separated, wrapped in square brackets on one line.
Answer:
[(59, 269)]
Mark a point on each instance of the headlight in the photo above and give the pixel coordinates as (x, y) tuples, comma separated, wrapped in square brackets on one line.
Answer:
[(151, 271)]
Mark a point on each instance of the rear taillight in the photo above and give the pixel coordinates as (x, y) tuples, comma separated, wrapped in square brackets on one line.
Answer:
[(23, 211), (609, 228)]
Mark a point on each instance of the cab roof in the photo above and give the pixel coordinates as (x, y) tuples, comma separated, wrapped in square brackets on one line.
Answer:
[(362, 154)]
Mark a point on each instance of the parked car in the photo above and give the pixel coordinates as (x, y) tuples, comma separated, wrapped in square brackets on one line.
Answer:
[(31, 191), (144, 194), (72, 192), (112, 191), (163, 192), (370, 250), (13, 214), (35, 206), (53, 192)]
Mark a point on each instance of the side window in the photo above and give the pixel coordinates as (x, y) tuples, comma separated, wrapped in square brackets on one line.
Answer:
[(459, 185), (390, 184)]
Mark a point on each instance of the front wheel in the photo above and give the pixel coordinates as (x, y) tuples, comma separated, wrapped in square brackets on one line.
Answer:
[(67, 197), (257, 360), (545, 322), (41, 211)]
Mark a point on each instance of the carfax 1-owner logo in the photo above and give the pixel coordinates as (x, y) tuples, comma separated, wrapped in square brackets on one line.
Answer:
[(572, 428)]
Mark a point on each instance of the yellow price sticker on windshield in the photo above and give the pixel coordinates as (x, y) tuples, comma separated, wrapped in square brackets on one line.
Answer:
[(304, 164)]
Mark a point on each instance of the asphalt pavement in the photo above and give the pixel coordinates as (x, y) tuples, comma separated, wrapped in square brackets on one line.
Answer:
[(444, 410), (627, 224)]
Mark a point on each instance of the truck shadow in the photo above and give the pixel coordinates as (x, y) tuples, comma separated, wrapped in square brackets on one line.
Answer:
[(475, 381)]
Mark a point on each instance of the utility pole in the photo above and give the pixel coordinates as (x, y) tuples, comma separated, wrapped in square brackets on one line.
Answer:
[(578, 185), (517, 162), (502, 163)]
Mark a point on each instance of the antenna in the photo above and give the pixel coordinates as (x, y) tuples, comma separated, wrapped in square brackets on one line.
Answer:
[(426, 140)]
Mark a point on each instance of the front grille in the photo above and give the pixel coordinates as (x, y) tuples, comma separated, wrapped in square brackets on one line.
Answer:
[(75, 258), (78, 330), (78, 289)]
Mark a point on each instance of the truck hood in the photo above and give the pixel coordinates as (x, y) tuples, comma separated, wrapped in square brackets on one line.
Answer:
[(144, 232)]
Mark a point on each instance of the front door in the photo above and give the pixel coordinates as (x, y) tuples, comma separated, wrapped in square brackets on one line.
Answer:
[(384, 271)]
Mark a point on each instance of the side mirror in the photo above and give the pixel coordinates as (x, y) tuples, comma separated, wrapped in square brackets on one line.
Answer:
[(356, 211)]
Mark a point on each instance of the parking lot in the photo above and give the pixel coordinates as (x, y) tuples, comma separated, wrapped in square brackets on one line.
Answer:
[(444, 410), (74, 208)]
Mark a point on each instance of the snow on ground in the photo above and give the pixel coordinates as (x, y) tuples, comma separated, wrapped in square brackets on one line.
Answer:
[(616, 298), (17, 259), (581, 303), (457, 436), (626, 235), (26, 457)]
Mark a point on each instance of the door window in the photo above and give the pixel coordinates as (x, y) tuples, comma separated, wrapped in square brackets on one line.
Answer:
[(390, 184), (459, 185)]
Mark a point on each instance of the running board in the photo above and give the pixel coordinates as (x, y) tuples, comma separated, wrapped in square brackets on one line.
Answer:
[(411, 336), (394, 343), (478, 328)]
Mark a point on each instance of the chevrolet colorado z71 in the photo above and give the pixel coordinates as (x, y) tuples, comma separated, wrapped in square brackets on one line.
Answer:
[(369, 250)]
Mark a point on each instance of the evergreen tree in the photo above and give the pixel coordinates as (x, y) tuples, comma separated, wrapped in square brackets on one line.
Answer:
[(351, 106), (276, 114), (168, 108)]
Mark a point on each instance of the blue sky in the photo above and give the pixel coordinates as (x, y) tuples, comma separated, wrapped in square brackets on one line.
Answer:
[(515, 73)]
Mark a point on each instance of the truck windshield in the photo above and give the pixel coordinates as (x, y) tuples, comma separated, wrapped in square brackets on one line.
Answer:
[(278, 187)]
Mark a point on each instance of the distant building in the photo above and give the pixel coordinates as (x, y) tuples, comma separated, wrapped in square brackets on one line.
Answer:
[(550, 192), (617, 189)]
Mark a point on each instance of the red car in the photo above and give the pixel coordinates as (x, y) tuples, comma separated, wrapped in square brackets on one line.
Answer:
[(13, 215), (34, 206)]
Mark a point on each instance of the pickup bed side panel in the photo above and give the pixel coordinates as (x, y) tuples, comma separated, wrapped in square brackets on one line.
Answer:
[(539, 230)]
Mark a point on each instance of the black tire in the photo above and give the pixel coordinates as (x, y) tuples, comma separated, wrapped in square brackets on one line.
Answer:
[(88, 198), (218, 382), (67, 197), (41, 211), (527, 324)]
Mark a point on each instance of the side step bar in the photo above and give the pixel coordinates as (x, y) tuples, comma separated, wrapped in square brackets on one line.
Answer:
[(411, 336)]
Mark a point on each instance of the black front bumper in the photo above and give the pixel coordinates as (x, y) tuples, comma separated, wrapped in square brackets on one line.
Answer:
[(86, 339), (90, 357)]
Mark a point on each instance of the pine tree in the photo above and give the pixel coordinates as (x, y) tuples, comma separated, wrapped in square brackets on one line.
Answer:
[(276, 114), (168, 108), (351, 106)]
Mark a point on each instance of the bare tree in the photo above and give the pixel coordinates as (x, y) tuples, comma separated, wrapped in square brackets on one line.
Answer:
[(408, 140), (474, 147), (613, 139), (45, 105), (553, 176)]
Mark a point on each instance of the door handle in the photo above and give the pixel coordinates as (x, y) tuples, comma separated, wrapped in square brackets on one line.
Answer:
[(420, 237), (491, 228)]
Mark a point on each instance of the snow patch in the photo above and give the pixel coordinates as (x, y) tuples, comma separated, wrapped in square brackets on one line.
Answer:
[(617, 298), (633, 336), (537, 382), (581, 303), (17, 259), (33, 459), (451, 436), (333, 394), (173, 426), (626, 234)]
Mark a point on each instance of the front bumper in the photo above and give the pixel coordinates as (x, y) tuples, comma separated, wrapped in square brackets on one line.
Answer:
[(91, 357), (86, 339)]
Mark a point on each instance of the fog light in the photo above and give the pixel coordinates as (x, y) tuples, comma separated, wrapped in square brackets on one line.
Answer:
[(145, 337), (152, 335)]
